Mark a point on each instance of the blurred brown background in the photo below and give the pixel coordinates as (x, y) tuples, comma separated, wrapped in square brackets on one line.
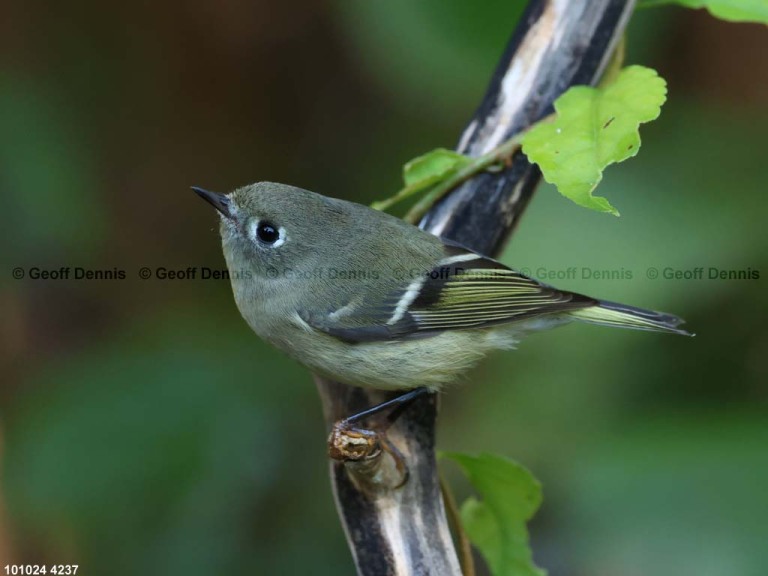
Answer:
[(145, 430)]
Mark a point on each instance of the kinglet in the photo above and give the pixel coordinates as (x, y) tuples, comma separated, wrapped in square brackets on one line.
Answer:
[(364, 298)]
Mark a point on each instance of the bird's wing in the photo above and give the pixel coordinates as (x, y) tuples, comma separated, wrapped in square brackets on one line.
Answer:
[(464, 291)]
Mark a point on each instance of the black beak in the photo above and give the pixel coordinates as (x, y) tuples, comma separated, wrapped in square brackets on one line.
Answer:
[(218, 201)]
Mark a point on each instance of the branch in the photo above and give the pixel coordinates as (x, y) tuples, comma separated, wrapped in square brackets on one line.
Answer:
[(399, 531)]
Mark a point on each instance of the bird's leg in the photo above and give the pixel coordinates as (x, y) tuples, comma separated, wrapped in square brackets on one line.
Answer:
[(396, 406), (350, 443)]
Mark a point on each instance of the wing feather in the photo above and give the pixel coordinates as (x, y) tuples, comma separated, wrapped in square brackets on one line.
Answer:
[(469, 299), (466, 291)]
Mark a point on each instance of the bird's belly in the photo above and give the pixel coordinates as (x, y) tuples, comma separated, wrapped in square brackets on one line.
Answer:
[(396, 365)]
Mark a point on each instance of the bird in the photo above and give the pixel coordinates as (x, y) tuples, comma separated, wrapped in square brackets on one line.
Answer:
[(364, 298)]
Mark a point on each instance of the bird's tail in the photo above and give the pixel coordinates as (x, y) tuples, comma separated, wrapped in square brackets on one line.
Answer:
[(612, 314)]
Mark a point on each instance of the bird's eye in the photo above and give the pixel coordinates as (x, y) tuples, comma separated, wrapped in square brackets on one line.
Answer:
[(267, 232)]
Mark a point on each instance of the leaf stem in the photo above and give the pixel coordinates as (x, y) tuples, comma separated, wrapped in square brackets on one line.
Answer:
[(401, 194), (454, 520)]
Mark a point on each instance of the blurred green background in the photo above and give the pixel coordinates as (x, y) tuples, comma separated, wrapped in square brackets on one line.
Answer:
[(145, 430)]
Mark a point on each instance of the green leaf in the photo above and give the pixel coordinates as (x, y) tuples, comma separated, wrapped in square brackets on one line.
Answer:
[(432, 167), (595, 127), (731, 10), (496, 525), (424, 172)]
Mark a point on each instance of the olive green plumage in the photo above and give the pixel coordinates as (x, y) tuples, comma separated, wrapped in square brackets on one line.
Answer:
[(362, 297)]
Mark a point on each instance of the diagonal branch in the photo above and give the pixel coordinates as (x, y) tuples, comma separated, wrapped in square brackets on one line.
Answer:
[(557, 44)]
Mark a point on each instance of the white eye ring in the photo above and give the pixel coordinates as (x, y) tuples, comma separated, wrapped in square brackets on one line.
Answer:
[(264, 233)]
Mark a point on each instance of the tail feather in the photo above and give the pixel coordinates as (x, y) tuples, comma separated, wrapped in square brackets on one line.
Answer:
[(613, 314)]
